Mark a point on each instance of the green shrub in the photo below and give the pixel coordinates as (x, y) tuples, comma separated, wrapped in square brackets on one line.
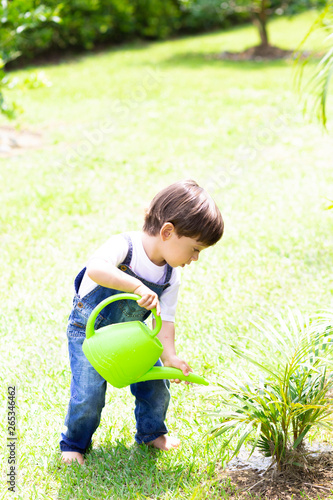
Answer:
[(278, 412), (7, 108), (17, 20), (201, 15), (156, 19), (49, 24)]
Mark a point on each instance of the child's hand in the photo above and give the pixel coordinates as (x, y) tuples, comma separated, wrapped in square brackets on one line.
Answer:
[(176, 362), (149, 299)]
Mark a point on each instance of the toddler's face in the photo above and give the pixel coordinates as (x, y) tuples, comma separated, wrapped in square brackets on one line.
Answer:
[(181, 251)]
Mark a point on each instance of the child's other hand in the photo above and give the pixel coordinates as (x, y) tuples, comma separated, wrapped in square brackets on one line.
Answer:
[(177, 362), (149, 299)]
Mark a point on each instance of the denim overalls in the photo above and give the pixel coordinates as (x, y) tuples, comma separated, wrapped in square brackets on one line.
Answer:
[(88, 388)]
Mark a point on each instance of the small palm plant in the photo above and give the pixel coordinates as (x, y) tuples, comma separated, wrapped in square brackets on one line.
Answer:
[(276, 413)]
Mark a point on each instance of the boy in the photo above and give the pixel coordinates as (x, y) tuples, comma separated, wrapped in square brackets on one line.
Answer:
[(181, 221)]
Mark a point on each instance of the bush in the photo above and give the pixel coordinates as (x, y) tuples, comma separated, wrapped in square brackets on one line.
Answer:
[(49, 24), (201, 15), (31, 27), (17, 19)]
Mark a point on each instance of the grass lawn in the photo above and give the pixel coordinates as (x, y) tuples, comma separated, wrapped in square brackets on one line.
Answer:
[(118, 126)]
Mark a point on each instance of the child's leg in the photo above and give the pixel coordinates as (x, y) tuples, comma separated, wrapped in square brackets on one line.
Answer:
[(87, 399), (151, 404)]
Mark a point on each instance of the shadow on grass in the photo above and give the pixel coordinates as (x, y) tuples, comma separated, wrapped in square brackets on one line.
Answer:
[(195, 60), (54, 57), (115, 471)]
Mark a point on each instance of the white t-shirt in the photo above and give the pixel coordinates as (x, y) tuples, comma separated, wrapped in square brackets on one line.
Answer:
[(115, 249)]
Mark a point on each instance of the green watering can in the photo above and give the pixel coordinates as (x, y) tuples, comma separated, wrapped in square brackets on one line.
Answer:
[(125, 353)]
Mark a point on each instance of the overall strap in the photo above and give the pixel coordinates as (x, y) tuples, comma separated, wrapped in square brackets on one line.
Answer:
[(78, 280), (128, 257), (168, 273)]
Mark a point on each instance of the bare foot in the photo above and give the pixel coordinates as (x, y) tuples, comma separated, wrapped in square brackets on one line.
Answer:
[(165, 443), (70, 456)]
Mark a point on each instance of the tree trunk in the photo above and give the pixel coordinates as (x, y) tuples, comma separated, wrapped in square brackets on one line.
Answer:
[(260, 21)]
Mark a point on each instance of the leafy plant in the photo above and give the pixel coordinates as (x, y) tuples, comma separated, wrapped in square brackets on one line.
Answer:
[(278, 412), (43, 25), (317, 87), (7, 108), (16, 20)]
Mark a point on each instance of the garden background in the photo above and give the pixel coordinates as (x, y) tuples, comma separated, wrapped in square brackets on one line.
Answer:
[(112, 127)]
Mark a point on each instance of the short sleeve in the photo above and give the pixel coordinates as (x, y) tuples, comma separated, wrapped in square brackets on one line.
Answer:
[(169, 297), (114, 250)]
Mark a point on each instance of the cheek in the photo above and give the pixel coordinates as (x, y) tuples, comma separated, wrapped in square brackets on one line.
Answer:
[(185, 253), (179, 255)]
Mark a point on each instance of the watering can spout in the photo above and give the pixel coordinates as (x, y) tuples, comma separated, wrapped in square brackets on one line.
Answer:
[(168, 372)]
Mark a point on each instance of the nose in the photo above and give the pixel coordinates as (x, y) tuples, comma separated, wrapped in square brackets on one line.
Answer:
[(195, 257)]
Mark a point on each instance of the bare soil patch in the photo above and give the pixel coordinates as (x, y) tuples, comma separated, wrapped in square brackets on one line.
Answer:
[(257, 53), (14, 142), (314, 482)]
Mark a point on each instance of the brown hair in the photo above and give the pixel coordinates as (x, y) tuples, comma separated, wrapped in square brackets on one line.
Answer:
[(189, 208)]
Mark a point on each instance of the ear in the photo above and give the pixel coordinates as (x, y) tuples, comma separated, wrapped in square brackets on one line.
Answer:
[(167, 231)]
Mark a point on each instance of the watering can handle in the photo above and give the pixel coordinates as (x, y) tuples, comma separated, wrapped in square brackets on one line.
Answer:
[(90, 328)]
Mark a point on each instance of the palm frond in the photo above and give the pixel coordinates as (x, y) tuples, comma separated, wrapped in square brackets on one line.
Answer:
[(317, 87)]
